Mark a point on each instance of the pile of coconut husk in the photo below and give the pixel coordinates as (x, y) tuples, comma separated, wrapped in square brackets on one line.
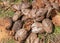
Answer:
[(32, 19)]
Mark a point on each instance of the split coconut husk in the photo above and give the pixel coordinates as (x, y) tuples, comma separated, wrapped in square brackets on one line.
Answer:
[(4, 23), (56, 18)]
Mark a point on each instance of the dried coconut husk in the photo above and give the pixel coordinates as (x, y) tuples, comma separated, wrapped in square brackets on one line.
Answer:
[(52, 1), (27, 24), (37, 27), (16, 16), (47, 25), (56, 18), (57, 1), (16, 7), (40, 14), (37, 40), (25, 1), (31, 38), (16, 26), (21, 35), (28, 14), (4, 23), (37, 4), (6, 3)]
